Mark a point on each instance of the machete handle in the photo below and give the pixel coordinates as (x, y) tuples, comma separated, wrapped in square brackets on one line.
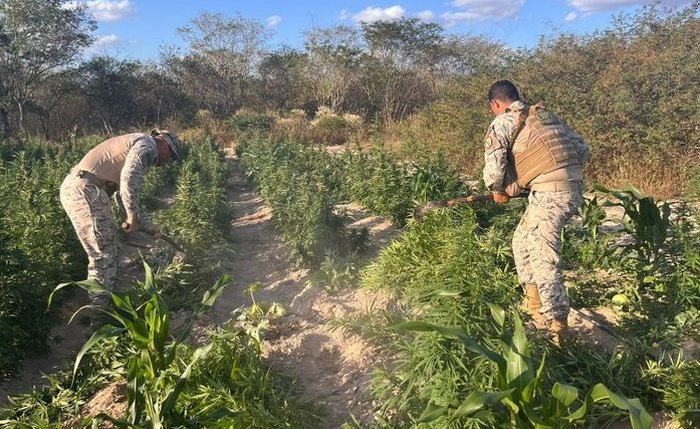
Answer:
[(477, 198), (470, 199)]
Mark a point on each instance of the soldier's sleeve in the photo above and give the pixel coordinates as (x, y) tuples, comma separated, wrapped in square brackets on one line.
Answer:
[(582, 148), (495, 158), (140, 157)]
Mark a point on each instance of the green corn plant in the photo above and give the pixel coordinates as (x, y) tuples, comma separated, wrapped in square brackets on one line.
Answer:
[(647, 223), (153, 374), (592, 215), (520, 385)]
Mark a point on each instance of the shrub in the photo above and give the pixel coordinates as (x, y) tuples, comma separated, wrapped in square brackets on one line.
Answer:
[(247, 121), (331, 130)]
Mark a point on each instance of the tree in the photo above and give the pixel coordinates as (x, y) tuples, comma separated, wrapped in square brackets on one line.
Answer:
[(282, 79), (333, 60), (39, 36), (229, 47), (401, 61)]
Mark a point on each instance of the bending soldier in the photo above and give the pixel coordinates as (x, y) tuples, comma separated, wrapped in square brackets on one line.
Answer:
[(530, 148), (117, 164)]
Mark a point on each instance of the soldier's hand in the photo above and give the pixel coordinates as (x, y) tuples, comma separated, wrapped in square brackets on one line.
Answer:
[(131, 225), (501, 198)]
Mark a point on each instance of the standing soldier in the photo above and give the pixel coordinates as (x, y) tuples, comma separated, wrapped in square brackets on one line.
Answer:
[(117, 164), (530, 148)]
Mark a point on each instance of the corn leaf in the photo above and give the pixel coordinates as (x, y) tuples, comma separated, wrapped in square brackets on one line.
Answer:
[(476, 401)]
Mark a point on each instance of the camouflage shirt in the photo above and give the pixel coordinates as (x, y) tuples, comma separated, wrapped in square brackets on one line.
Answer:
[(496, 143), (496, 147), (141, 156)]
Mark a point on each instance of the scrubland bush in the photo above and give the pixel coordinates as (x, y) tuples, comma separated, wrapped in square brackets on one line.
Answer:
[(245, 120), (452, 127), (329, 128)]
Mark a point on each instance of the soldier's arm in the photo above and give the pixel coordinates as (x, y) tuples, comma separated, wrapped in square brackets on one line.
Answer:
[(140, 157), (495, 159)]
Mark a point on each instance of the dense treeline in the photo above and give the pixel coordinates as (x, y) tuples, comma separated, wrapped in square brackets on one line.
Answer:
[(629, 89)]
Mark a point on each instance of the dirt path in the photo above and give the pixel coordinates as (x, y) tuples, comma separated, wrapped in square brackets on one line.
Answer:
[(333, 367)]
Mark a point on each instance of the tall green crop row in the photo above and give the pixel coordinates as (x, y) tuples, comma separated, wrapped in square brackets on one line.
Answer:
[(200, 213), (391, 188), (302, 185), (37, 246), (449, 271)]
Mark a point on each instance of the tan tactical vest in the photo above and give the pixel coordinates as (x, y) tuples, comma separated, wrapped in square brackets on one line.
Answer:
[(106, 160), (541, 145)]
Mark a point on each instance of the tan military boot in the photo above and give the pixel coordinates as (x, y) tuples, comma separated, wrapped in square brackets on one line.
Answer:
[(559, 329), (533, 304)]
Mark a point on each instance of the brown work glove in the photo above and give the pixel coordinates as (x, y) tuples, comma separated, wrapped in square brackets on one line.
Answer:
[(501, 197)]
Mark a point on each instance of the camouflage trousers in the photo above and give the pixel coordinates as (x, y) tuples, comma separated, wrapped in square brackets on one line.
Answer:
[(536, 245), (89, 208)]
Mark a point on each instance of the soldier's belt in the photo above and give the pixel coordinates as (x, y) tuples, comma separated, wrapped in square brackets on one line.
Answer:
[(107, 185), (557, 186)]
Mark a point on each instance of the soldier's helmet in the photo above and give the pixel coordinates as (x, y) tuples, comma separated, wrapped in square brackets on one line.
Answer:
[(172, 140)]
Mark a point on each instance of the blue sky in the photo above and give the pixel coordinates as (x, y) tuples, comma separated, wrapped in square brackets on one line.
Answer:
[(135, 29)]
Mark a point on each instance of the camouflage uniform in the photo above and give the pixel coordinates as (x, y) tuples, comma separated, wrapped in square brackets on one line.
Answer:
[(86, 199), (536, 241)]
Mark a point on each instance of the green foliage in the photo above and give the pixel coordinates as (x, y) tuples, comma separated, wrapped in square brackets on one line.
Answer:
[(200, 213), (679, 385), (158, 180), (647, 223), (222, 384), (332, 130), (586, 246), (65, 392), (336, 273), (154, 382), (37, 245), (520, 400), (390, 188), (444, 272), (695, 183), (245, 121), (302, 185)]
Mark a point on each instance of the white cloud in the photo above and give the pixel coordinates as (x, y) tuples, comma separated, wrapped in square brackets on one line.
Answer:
[(273, 21), (603, 5), (426, 15), (104, 41), (571, 17), (480, 10), (105, 10), (344, 14), (372, 14)]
